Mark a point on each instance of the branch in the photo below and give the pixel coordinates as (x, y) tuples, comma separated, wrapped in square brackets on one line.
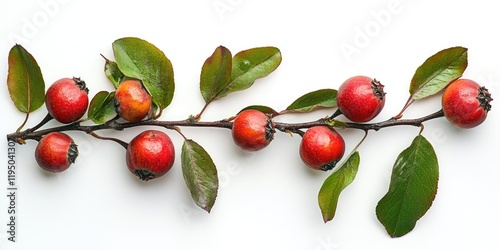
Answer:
[(30, 134)]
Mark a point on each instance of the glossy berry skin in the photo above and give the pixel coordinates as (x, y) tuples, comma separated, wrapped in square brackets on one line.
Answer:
[(67, 99), (150, 155), (55, 152), (132, 101), (361, 98), (321, 148), (252, 130), (465, 103)]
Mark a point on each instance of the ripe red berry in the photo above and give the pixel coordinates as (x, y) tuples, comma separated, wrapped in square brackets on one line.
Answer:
[(321, 148), (55, 152), (132, 101), (361, 98), (150, 155), (67, 99), (465, 103), (252, 130)]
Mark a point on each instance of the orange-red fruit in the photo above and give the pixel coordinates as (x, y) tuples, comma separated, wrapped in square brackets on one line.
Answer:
[(361, 98), (252, 130), (321, 148), (150, 155), (465, 103), (132, 101), (67, 99), (55, 152)]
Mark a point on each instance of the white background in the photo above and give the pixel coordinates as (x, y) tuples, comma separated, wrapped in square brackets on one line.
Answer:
[(267, 199)]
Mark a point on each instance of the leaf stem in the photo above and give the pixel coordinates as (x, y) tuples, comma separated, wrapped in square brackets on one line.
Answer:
[(408, 103), (198, 116), (24, 122), (362, 140), (178, 130)]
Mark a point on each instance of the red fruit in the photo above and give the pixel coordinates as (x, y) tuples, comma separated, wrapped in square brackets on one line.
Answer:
[(361, 98), (321, 148), (252, 130), (55, 152), (150, 155), (465, 103), (132, 101), (67, 99)]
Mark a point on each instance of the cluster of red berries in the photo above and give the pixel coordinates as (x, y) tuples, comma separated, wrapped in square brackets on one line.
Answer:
[(151, 154), (66, 101), (360, 99)]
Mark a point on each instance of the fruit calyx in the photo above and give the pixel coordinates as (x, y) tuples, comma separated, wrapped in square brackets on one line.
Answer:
[(72, 152), (484, 98), (81, 84), (144, 175), (329, 166), (270, 130), (378, 89)]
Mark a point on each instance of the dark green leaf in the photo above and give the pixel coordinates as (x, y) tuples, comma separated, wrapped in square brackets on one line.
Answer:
[(140, 59), (25, 80), (200, 174), (437, 71), (332, 187), (264, 109), (113, 73), (323, 98), (215, 73), (412, 189), (102, 107), (250, 65)]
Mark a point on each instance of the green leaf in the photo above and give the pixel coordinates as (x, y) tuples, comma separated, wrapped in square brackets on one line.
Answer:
[(332, 187), (25, 80), (250, 65), (412, 189), (140, 59), (323, 98), (215, 74), (265, 109), (102, 107), (200, 174), (113, 73), (438, 71)]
